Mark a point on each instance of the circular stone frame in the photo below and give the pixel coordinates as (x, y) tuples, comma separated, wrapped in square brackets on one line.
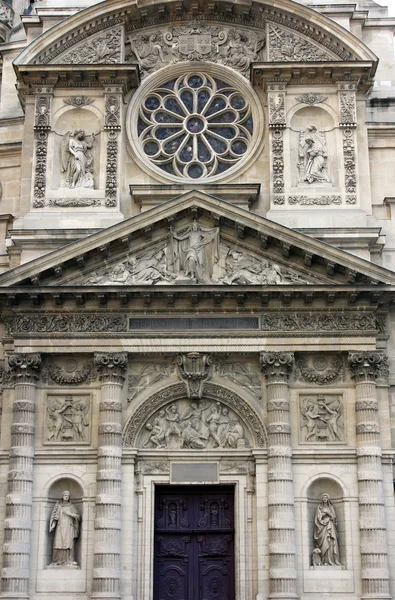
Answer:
[(158, 79)]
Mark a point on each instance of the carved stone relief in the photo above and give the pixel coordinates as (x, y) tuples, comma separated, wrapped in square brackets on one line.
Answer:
[(42, 128), (230, 46), (277, 109), (195, 426), (77, 160), (277, 137), (349, 165), (78, 101), (319, 369), (327, 321), (194, 253), (67, 418), (322, 419), (311, 98), (104, 48), (313, 156), (284, 45), (63, 323), (194, 368), (242, 374), (314, 200), (143, 375), (70, 372)]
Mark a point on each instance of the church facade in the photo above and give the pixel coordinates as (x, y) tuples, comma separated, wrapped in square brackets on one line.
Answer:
[(197, 271)]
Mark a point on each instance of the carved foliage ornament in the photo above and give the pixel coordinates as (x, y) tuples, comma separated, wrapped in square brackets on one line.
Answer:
[(284, 45), (104, 48), (368, 366), (111, 366), (319, 370), (296, 321), (311, 98), (277, 366), (278, 164), (315, 200), (78, 101), (65, 323), (26, 367), (234, 47), (195, 126)]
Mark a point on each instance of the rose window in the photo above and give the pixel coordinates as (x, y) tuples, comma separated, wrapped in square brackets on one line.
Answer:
[(195, 127)]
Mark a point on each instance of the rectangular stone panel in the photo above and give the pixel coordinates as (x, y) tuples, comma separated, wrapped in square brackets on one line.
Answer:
[(193, 472), (193, 324)]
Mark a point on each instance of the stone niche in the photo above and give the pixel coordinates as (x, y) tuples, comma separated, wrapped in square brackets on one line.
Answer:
[(62, 579), (312, 137)]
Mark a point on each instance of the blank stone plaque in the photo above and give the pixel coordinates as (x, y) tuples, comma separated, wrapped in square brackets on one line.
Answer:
[(192, 472)]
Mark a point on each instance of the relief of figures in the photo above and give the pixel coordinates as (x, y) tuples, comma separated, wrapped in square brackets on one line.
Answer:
[(196, 426), (322, 419), (67, 419), (326, 551), (146, 375), (244, 269), (65, 522), (77, 160), (194, 252), (313, 156)]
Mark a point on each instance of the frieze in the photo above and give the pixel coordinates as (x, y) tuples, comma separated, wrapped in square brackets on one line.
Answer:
[(319, 370), (297, 321), (152, 468), (284, 45), (73, 202), (65, 323), (315, 200), (178, 391)]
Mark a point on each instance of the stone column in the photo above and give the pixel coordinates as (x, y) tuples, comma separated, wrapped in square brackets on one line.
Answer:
[(107, 549), (277, 367), (366, 367), (24, 369)]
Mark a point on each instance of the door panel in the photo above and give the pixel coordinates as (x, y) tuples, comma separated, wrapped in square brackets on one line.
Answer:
[(194, 543)]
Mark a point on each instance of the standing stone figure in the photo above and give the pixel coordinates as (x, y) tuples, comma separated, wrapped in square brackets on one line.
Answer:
[(325, 532), (77, 161), (194, 253), (65, 521), (313, 156)]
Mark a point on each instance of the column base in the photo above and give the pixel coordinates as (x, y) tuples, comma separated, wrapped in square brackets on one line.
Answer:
[(283, 596)]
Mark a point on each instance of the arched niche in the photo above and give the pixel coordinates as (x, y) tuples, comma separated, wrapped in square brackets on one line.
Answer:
[(240, 413), (55, 492), (322, 120), (320, 486), (70, 120)]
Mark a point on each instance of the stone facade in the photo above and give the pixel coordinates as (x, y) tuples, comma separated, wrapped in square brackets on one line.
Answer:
[(197, 281)]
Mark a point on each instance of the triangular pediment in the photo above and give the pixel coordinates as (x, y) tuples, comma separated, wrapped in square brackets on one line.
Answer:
[(196, 239)]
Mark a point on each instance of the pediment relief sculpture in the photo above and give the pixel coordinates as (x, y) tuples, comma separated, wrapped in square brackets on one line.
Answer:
[(230, 46), (194, 256), (196, 425)]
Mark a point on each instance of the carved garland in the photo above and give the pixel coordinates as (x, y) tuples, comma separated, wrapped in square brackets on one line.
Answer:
[(178, 391), (42, 128), (112, 124)]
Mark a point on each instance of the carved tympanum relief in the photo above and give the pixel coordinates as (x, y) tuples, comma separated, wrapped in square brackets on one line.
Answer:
[(326, 537), (313, 156), (104, 48), (284, 45), (319, 369), (77, 160), (194, 255), (234, 47), (67, 419), (194, 425), (143, 375), (321, 418), (65, 521)]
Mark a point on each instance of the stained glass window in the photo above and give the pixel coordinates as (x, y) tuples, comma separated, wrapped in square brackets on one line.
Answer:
[(195, 127)]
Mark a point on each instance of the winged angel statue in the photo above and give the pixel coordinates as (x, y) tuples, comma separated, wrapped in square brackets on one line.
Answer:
[(76, 159), (67, 419)]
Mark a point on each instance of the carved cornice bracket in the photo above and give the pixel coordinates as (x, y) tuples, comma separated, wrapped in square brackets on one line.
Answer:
[(24, 368), (194, 369), (111, 366), (277, 366), (368, 366)]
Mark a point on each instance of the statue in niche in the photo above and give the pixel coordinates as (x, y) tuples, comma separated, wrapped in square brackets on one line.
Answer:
[(65, 522), (322, 419), (313, 156), (195, 252), (201, 425), (76, 160), (67, 419), (326, 534)]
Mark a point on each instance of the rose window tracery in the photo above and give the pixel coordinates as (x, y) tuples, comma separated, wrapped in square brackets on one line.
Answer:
[(195, 126)]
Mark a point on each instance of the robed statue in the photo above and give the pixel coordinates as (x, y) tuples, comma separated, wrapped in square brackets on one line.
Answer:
[(195, 252), (76, 159), (326, 534), (65, 521)]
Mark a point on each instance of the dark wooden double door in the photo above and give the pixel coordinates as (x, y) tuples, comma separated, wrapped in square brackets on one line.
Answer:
[(194, 543)]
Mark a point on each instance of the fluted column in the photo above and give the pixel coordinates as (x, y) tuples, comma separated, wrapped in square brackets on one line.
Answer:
[(107, 549), (25, 369), (366, 367), (277, 367)]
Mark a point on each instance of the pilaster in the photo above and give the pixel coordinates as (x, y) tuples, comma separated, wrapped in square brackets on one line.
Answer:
[(277, 367), (107, 548), (366, 368), (24, 369)]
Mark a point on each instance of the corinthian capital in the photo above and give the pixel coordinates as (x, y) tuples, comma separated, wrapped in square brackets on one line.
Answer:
[(277, 366), (24, 368), (111, 366), (368, 366)]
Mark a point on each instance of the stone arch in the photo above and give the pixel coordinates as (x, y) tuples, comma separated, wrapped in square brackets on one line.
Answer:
[(249, 417), (114, 15)]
